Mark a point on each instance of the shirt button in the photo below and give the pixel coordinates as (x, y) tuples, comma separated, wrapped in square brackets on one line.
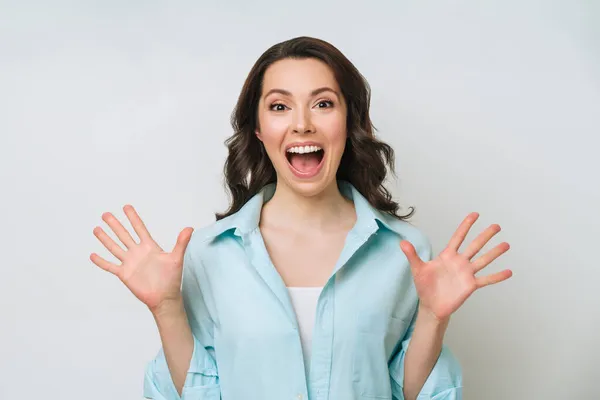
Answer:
[(299, 397)]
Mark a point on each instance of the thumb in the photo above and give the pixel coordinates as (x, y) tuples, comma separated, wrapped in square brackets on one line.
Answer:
[(411, 254), (182, 241)]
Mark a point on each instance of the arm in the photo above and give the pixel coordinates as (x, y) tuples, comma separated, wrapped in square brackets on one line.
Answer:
[(423, 352), (424, 368), (155, 277), (426, 336), (185, 367), (442, 285), (177, 341)]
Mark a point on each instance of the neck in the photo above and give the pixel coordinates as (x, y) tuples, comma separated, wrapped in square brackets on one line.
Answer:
[(328, 210)]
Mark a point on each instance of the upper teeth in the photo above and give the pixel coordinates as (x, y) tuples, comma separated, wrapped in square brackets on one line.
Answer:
[(303, 149)]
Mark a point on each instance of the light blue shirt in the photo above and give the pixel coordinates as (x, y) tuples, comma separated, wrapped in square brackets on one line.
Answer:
[(246, 340)]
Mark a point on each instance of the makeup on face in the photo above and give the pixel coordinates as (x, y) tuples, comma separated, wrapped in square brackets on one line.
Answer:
[(302, 119)]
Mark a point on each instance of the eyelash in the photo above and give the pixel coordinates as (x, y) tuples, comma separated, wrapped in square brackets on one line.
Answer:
[(329, 102)]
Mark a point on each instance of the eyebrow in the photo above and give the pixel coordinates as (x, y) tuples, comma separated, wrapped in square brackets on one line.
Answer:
[(313, 93)]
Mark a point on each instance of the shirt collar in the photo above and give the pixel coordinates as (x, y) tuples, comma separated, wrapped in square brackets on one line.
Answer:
[(246, 220)]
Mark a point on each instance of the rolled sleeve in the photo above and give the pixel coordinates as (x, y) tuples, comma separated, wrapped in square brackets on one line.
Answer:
[(201, 383)]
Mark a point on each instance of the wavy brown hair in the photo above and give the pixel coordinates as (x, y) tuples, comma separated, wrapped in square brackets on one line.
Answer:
[(365, 161)]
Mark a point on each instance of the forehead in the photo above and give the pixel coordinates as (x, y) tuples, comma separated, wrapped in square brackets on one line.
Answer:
[(299, 76)]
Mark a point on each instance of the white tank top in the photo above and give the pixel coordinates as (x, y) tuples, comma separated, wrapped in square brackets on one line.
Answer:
[(304, 301)]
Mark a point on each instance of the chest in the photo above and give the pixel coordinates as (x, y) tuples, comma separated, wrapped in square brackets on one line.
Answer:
[(304, 260)]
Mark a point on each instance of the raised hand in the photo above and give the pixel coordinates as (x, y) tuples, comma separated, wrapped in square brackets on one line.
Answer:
[(444, 283), (151, 274)]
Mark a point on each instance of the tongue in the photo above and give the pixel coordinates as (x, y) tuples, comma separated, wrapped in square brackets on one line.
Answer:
[(304, 162)]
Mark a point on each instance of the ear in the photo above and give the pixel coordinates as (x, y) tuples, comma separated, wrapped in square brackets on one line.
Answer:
[(258, 135)]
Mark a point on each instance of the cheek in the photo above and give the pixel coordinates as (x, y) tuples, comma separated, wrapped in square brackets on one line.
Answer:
[(272, 131), (337, 133)]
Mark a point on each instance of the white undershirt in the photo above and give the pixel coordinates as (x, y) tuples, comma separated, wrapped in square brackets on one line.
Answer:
[(304, 301)]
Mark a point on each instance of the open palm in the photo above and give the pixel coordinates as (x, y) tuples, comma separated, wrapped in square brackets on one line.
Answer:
[(444, 283), (152, 275)]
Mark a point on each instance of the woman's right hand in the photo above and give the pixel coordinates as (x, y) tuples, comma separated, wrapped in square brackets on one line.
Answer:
[(151, 274)]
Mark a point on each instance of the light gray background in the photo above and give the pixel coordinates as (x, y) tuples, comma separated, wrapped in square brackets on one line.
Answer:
[(491, 106)]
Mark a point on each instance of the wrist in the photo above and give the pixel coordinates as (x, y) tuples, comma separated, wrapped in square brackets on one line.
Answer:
[(428, 318), (168, 308)]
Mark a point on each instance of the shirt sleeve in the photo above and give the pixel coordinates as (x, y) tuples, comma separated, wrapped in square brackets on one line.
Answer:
[(445, 380), (202, 379)]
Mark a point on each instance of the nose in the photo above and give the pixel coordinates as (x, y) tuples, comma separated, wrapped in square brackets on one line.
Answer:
[(302, 122)]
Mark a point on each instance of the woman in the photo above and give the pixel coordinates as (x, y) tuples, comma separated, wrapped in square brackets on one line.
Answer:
[(310, 285)]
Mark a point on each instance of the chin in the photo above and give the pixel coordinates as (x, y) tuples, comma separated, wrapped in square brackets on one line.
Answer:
[(310, 188)]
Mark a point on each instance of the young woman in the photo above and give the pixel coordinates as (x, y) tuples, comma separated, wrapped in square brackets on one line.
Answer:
[(310, 285)]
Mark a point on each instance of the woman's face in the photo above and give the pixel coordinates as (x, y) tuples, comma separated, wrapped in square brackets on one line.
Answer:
[(302, 124)]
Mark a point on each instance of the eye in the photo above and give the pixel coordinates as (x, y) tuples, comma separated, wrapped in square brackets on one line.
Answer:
[(326, 103), (277, 107)]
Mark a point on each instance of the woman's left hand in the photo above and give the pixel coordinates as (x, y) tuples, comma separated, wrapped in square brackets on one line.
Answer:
[(444, 283)]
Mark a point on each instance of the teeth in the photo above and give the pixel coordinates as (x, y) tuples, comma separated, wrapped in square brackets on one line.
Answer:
[(304, 149)]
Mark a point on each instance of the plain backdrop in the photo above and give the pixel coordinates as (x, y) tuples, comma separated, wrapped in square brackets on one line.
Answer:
[(491, 107)]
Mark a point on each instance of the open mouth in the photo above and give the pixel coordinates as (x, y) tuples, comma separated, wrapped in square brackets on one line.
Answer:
[(305, 161)]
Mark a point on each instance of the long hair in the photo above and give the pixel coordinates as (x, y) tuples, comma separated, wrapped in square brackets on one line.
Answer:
[(365, 160)]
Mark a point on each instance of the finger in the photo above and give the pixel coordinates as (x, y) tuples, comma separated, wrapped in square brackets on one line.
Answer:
[(110, 244), (411, 254), (119, 230), (105, 265), (483, 281), (462, 231), (476, 245), (136, 222), (490, 256), (182, 241)]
